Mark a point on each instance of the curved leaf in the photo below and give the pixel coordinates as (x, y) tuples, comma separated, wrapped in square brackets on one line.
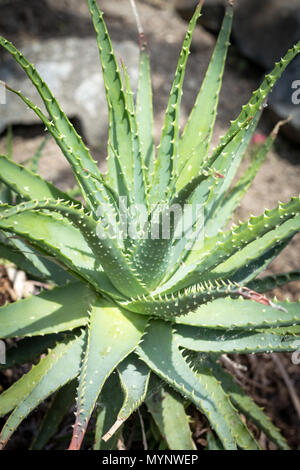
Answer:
[(60, 309), (53, 372), (167, 408), (113, 334), (163, 357)]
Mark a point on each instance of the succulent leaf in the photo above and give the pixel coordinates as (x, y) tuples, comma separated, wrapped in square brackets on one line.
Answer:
[(53, 372), (268, 283), (144, 113), (29, 348), (27, 184), (61, 404), (108, 406), (166, 162), (60, 309), (232, 342), (120, 131), (162, 355), (240, 314), (129, 296), (247, 406), (168, 411), (113, 334), (196, 137)]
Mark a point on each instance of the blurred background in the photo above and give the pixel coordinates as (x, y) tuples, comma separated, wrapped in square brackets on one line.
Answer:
[(58, 37)]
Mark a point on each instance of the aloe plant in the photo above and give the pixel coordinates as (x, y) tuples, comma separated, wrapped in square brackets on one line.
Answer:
[(144, 317)]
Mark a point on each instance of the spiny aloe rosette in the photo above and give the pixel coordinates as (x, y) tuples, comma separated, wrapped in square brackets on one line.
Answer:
[(134, 320)]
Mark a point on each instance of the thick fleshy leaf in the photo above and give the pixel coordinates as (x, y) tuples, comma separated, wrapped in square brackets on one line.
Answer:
[(196, 137), (167, 408), (233, 314), (213, 443), (233, 342), (134, 377), (256, 101), (63, 132), (108, 406), (26, 183), (60, 406), (29, 260), (104, 247), (247, 406), (53, 372), (250, 261), (60, 309), (222, 207), (139, 181), (119, 119), (144, 112), (166, 162), (56, 238), (113, 335), (285, 218), (227, 164), (164, 358), (29, 349)]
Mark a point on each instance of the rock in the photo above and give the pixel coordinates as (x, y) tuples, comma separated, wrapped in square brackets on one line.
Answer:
[(71, 68), (212, 12), (265, 29)]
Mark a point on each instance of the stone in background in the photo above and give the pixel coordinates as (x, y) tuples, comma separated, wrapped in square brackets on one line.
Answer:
[(71, 68)]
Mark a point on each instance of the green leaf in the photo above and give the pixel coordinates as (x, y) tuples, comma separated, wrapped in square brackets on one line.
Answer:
[(222, 208), (60, 406), (6, 196), (213, 443), (134, 377), (216, 250), (167, 408), (250, 261), (196, 138), (166, 162), (247, 406), (79, 251), (60, 309), (108, 406), (227, 164), (113, 334), (28, 349), (268, 283), (256, 101), (163, 357), (232, 342), (63, 131), (53, 372), (119, 119), (59, 239), (29, 260), (144, 112), (241, 314), (26, 183)]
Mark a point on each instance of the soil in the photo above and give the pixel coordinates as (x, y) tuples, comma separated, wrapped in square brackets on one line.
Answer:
[(279, 178)]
